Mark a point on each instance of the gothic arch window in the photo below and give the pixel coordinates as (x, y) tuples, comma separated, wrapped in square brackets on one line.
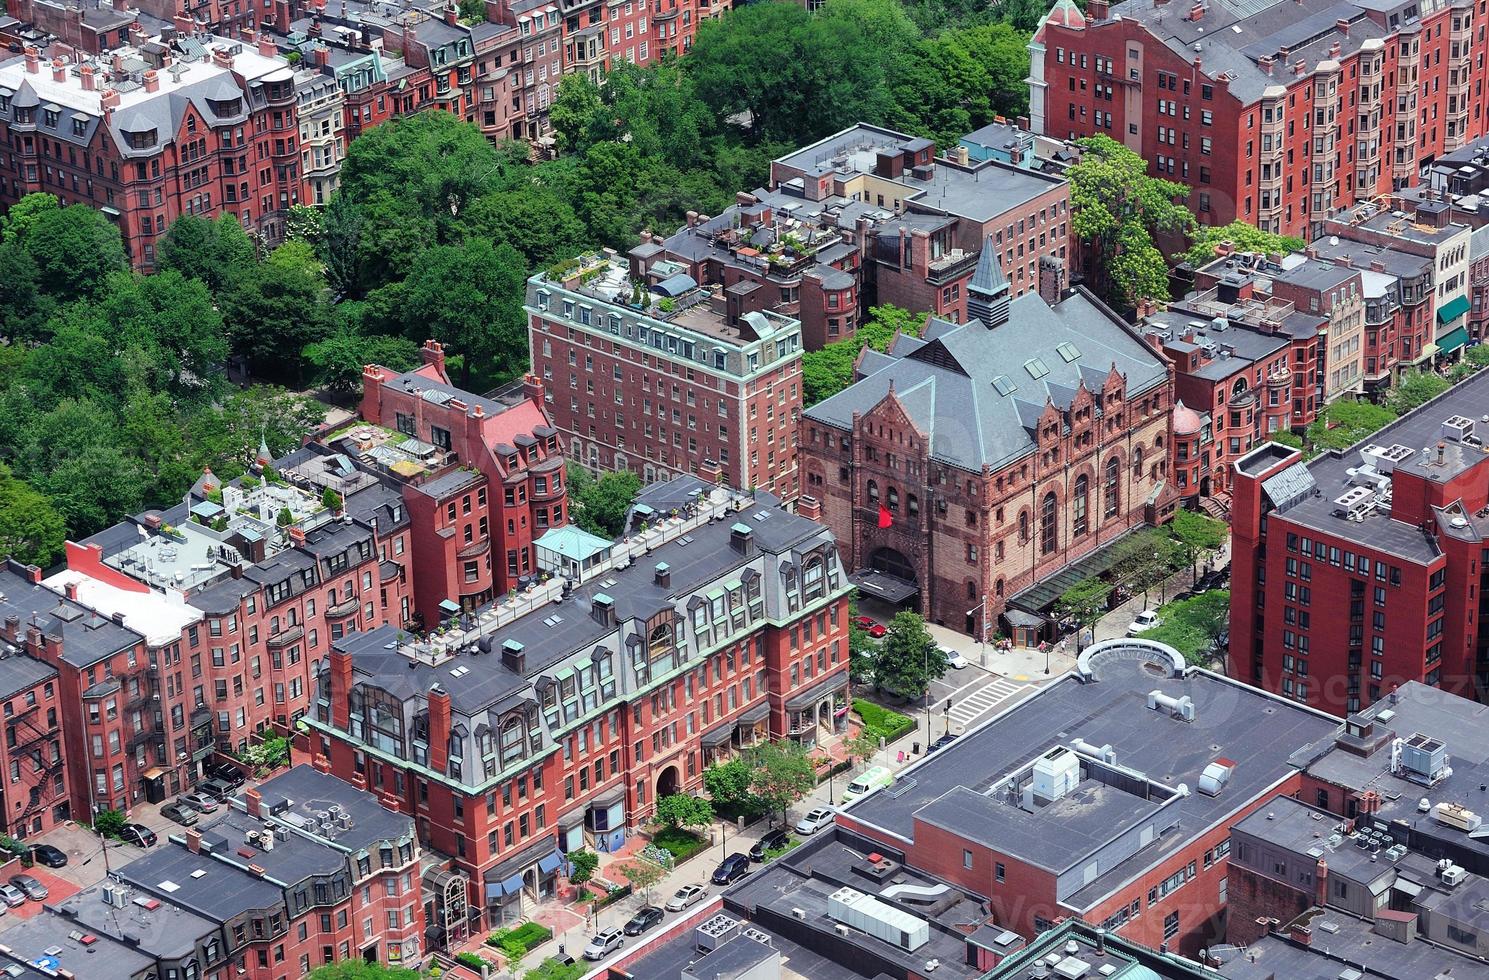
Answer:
[(873, 491), (1137, 463), (1080, 498), (892, 498), (1049, 524), (1111, 490), (998, 588)]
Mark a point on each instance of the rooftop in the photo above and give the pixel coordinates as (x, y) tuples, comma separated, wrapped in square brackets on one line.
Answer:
[(211, 888), (1138, 745), (50, 943), (86, 637), (305, 792), (163, 929), (1347, 948)]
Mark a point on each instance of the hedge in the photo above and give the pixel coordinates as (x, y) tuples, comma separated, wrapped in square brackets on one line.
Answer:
[(516, 943), (471, 960), (681, 844), (551, 969), (888, 725)]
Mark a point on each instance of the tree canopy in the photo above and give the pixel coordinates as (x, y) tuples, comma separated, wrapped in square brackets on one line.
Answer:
[(908, 659), (600, 506), (827, 371), (1244, 237), (1344, 423)]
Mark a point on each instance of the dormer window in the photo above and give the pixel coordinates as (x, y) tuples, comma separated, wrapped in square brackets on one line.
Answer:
[(141, 140)]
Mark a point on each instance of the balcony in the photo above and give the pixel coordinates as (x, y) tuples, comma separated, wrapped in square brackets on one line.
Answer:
[(347, 608), (285, 638)]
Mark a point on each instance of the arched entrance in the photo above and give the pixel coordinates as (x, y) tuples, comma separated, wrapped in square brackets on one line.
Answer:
[(892, 562), (1204, 486), (824, 717), (667, 782)]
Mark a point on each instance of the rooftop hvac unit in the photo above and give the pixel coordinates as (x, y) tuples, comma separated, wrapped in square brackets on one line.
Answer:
[(883, 921), (1056, 773), (1214, 778), (1386, 458), (715, 932), (1453, 874), (1177, 707), (1459, 428), (1454, 815), (1423, 758)]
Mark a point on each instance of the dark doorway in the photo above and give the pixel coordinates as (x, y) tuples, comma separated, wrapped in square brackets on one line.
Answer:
[(891, 562), (667, 782)]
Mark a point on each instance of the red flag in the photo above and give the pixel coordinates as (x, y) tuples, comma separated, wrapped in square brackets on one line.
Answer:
[(886, 519)]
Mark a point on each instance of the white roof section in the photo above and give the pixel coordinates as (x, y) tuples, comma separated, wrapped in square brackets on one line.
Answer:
[(158, 616)]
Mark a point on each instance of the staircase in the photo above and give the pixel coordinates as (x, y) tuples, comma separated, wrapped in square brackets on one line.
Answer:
[(1217, 506)]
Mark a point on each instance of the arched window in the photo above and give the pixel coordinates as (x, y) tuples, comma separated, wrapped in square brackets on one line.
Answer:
[(1078, 502), (912, 504), (998, 588), (1110, 492), (812, 579), (1023, 527), (659, 644), (513, 740), (1049, 537), (892, 496), (1137, 463), (873, 491)]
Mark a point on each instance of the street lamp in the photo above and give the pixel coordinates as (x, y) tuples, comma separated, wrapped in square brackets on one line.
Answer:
[(980, 611)]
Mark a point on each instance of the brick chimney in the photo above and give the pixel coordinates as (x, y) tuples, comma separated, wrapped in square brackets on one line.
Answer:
[(1342, 26), (1321, 884), (532, 388), (809, 507), (72, 591), (267, 47), (194, 841), (320, 56), (1096, 9), (221, 58), (1300, 934), (152, 80), (439, 729), (87, 72), (1052, 279), (59, 70), (254, 800), (433, 352), (1265, 62), (297, 536), (341, 689), (452, 14), (709, 471), (33, 61), (184, 25)]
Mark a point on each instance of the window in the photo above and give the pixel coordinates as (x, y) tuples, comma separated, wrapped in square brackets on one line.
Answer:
[(966, 859), (1048, 525), (1110, 492), (1078, 505)]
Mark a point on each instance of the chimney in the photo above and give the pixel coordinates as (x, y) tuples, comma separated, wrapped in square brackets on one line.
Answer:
[(267, 48), (664, 575), (433, 352), (709, 471), (1265, 62), (1321, 882), (602, 609), (532, 388), (1300, 934), (254, 801), (72, 591), (1197, 12), (1334, 49), (439, 729), (452, 14), (513, 657), (119, 5), (1096, 9), (1442, 449), (297, 536), (809, 507), (221, 58), (194, 841), (185, 26), (320, 55), (341, 689), (1052, 279), (59, 70), (33, 61), (1342, 26), (742, 539), (152, 80), (87, 72)]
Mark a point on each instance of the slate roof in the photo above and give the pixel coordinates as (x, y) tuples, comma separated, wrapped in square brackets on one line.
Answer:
[(86, 636), (947, 385)]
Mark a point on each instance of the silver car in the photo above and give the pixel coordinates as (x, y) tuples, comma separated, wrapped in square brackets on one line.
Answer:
[(12, 896), (33, 888), (686, 895), (604, 943), (815, 820)]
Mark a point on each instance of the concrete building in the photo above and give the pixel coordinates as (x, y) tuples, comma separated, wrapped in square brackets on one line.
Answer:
[(964, 468), (644, 369), (538, 727), (1277, 114), (1372, 563), (1108, 794)]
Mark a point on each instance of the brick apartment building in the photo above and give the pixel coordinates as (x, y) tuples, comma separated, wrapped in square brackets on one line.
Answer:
[(1070, 803), (33, 756), (539, 728), (87, 27), (304, 871), (482, 479), (1357, 572), (965, 467), (200, 125), (1275, 113), (871, 216), (644, 369)]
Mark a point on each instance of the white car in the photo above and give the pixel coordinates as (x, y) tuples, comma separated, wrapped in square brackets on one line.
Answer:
[(815, 820), (686, 895), (1144, 621), (955, 659)]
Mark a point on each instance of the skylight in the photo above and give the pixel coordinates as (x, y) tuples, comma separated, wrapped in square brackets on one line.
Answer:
[(1068, 351), (1004, 385), (1036, 368)]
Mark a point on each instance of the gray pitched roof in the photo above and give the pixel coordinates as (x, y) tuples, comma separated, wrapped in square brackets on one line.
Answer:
[(989, 277), (974, 391)]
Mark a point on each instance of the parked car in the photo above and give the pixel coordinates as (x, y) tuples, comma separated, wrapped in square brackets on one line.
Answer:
[(12, 896), (49, 856), (1212, 579), (1144, 621), (138, 834), (218, 789), (877, 631), (229, 774), (686, 895), (772, 841), (181, 813), (815, 820), (863, 622), (605, 942), (941, 743), (731, 869), (200, 802), (33, 888), (954, 658), (643, 920), (871, 779)]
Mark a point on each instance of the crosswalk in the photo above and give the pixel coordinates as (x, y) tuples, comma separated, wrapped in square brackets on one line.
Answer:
[(966, 709)]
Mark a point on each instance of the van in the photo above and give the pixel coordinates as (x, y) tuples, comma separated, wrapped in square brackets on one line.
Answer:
[(871, 779)]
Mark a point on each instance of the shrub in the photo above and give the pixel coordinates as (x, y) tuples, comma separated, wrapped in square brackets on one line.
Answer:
[(515, 943), (681, 844), (471, 960), (551, 969), (582, 866), (884, 723), (109, 823)]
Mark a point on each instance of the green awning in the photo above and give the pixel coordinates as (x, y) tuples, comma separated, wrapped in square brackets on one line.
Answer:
[(1452, 310), (564, 673), (1452, 340)]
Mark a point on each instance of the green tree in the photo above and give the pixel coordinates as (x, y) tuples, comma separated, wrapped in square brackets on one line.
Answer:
[(358, 969), (1477, 355), (31, 530), (1415, 389), (25, 307), (862, 745), (1287, 438), (277, 306), (1117, 209), (533, 219), (643, 876), (1083, 604), (216, 251), (1344, 423), (74, 248), (827, 371), (684, 811), (1194, 626), (908, 659), (782, 773), (604, 503), (109, 823), (948, 84), (862, 648), (338, 360), (1198, 534), (582, 866), (729, 784), (23, 214), (1244, 238), (470, 297)]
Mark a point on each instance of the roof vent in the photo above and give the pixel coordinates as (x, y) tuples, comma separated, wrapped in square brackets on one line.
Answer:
[(1181, 708), (742, 538)]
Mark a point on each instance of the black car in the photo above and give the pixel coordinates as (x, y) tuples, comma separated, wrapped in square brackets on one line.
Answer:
[(49, 856), (941, 743), (218, 789), (231, 775), (643, 920), (137, 834), (772, 841), (731, 869)]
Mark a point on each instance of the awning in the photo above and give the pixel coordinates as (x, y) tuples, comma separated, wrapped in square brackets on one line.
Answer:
[(1453, 309), (882, 585), (608, 798), (1452, 340), (571, 819), (1039, 597), (718, 736), (1017, 617), (511, 869), (756, 714), (550, 863), (1427, 351), (154, 772), (818, 691), (449, 607)]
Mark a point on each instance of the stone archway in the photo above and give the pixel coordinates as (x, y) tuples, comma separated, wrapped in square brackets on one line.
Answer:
[(892, 562), (667, 782)]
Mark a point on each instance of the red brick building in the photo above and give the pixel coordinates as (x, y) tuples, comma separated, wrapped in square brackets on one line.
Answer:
[(1278, 114), (644, 369), (482, 480), (963, 468), (33, 754), (1109, 794), (540, 729), (1356, 572)]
